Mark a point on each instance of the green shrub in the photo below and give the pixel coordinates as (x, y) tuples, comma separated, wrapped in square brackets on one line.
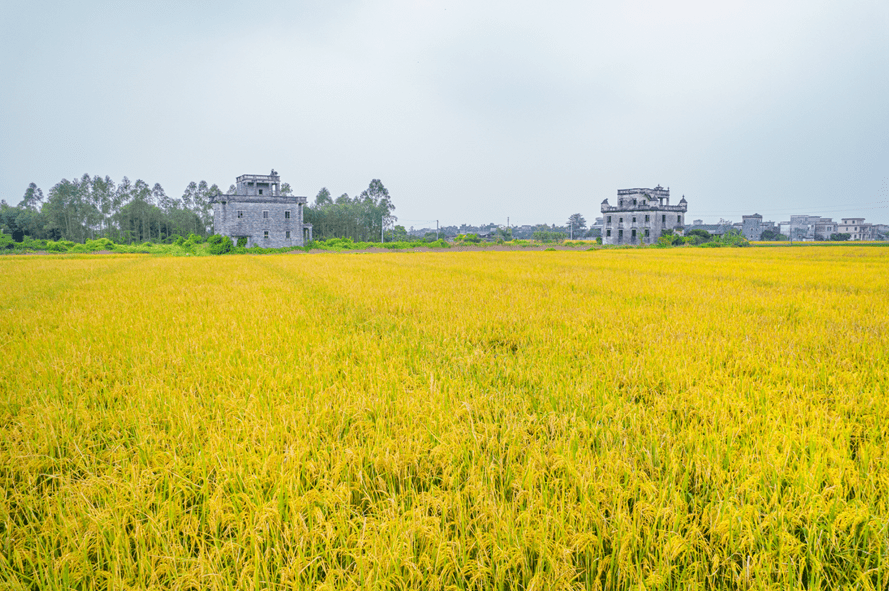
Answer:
[(59, 246), (773, 236), (222, 246), (734, 238), (99, 244), (28, 244)]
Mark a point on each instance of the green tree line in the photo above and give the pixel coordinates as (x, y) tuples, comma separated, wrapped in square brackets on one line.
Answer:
[(360, 218), (89, 208), (129, 212)]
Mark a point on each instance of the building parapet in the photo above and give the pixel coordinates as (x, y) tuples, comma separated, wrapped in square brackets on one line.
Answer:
[(658, 191), (640, 207), (258, 178), (259, 199)]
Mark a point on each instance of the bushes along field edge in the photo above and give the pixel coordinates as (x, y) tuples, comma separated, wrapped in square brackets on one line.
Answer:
[(216, 244)]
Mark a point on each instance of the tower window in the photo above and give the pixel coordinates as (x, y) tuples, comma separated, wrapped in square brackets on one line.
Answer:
[(608, 232), (287, 215), (287, 234), (646, 219), (608, 220), (265, 214), (634, 219), (260, 191), (265, 234), (663, 219), (240, 213)]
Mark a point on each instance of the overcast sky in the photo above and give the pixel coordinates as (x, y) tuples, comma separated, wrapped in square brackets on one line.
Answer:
[(467, 111)]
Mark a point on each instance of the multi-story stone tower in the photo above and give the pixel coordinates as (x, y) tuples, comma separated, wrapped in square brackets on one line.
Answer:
[(641, 215), (259, 212), (751, 226)]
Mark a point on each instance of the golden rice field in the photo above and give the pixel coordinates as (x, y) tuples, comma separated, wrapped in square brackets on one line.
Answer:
[(612, 419)]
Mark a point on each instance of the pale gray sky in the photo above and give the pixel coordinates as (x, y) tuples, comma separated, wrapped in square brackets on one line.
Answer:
[(467, 111)]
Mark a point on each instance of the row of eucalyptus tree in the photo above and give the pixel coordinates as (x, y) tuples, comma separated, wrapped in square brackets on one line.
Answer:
[(360, 218), (88, 207), (96, 207)]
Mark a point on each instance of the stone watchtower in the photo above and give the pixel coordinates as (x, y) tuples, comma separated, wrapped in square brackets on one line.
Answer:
[(258, 212), (751, 226), (641, 215)]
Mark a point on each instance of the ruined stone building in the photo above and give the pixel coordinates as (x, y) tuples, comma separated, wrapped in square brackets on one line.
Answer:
[(751, 226), (259, 213), (641, 215)]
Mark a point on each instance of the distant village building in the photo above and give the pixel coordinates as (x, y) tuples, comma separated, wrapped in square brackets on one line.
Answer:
[(802, 227), (808, 227), (856, 228), (824, 228), (259, 213), (597, 227), (751, 226), (641, 216)]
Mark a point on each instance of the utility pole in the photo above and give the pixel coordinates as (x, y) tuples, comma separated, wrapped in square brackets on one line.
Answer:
[(382, 228), (436, 230)]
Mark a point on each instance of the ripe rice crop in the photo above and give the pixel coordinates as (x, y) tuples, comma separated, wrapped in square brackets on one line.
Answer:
[(612, 419)]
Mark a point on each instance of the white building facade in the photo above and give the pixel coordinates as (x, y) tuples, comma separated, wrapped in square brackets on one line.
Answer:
[(856, 228)]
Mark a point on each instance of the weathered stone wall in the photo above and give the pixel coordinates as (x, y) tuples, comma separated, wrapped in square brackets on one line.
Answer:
[(621, 223), (239, 216), (752, 227)]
